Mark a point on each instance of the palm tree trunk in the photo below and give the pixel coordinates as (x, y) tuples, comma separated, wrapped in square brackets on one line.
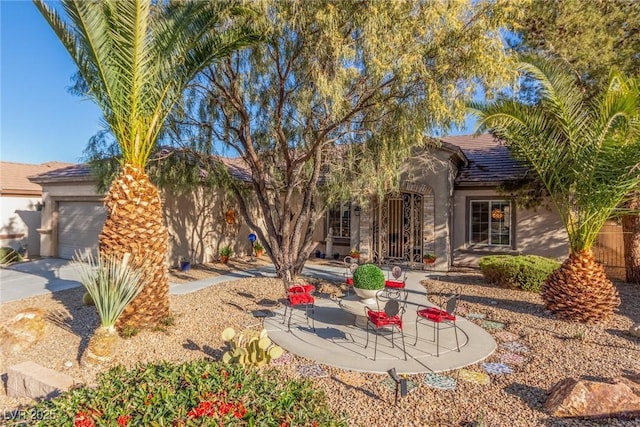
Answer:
[(579, 290), (135, 224)]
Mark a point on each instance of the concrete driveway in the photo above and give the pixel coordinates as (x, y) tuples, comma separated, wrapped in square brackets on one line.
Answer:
[(37, 277)]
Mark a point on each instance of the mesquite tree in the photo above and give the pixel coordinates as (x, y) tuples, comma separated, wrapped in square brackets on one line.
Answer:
[(334, 100)]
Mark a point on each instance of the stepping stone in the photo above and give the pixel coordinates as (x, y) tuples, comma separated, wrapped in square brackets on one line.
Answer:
[(262, 313), (353, 379), (497, 368), (440, 382), (492, 325), (476, 316), (474, 377), (515, 347), (512, 358), (506, 336), (285, 359), (311, 371), (390, 383)]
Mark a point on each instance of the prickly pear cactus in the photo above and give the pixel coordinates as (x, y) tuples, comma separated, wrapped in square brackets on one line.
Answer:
[(249, 347)]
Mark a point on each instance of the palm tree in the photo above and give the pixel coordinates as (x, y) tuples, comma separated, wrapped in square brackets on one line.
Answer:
[(587, 154), (135, 59)]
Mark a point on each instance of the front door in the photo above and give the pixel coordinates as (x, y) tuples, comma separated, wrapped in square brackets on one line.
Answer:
[(397, 228)]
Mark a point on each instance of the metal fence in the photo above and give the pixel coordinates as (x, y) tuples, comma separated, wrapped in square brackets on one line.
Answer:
[(609, 249)]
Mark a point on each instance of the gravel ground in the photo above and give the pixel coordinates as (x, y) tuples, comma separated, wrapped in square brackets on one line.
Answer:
[(557, 350)]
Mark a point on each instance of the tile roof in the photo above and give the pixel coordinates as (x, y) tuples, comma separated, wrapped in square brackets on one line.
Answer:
[(73, 173), (14, 177), (486, 162), (489, 161)]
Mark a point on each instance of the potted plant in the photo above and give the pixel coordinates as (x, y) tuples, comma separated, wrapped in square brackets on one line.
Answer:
[(225, 253), (428, 258), (368, 279), (354, 253), (259, 249), (185, 264), (112, 284)]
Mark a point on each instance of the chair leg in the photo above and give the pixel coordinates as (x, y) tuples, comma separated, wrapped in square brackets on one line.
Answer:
[(455, 330), (375, 346), (365, 346), (404, 349), (313, 317), (284, 315), (438, 341), (416, 342)]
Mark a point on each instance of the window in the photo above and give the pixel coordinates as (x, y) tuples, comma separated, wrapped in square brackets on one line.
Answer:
[(339, 220), (490, 222)]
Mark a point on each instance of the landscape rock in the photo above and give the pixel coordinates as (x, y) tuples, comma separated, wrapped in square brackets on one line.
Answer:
[(635, 330), (572, 397), (22, 331)]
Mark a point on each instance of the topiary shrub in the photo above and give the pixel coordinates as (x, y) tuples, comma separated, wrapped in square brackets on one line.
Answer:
[(194, 393), (526, 272), (9, 256), (368, 276)]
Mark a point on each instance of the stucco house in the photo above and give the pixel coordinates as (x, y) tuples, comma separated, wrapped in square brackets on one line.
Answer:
[(448, 205), (20, 204)]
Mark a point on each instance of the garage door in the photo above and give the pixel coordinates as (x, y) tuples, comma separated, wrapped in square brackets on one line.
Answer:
[(79, 224)]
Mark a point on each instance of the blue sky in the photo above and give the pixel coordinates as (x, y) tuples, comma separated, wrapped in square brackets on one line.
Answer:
[(40, 120)]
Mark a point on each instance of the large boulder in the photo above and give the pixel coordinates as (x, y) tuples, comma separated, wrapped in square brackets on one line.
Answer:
[(595, 399), (22, 331)]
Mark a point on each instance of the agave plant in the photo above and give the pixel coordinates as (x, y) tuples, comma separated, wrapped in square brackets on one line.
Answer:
[(112, 284), (587, 155)]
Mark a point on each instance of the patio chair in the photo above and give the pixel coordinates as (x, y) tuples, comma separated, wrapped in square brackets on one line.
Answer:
[(350, 265), (392, 303), (396, 278), (300, 295), (443, 313)]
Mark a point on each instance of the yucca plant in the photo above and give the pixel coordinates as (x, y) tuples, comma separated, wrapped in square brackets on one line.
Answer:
[(587, 155), (112, 284), (134, 59)]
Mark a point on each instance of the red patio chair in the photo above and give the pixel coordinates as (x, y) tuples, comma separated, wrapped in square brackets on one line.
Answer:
[(395, 278), (391, 306), (350, 265), (300, 295), (445, 313)]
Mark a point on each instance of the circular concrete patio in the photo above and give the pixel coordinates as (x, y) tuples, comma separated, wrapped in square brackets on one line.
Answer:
[(338, 342)]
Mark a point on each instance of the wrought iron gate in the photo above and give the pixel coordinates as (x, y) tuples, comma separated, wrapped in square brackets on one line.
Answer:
[(397, 228)]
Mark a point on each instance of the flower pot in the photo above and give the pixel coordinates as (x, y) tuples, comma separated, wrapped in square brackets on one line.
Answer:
[(429, 260), (318, 253), (355, 256), (336, 256), (224, 259), (185, 266), (368, 296), (259, 252)]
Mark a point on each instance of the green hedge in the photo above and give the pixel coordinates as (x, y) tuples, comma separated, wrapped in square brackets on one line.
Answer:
[(189, 394), (526, 272), (368, 276)]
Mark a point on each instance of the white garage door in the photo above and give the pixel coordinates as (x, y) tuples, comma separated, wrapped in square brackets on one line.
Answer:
[(79, 224)]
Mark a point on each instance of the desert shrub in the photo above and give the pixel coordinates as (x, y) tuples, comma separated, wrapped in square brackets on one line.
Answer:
[(368, 276), (193, 393), (526, 272), (9, 256)]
